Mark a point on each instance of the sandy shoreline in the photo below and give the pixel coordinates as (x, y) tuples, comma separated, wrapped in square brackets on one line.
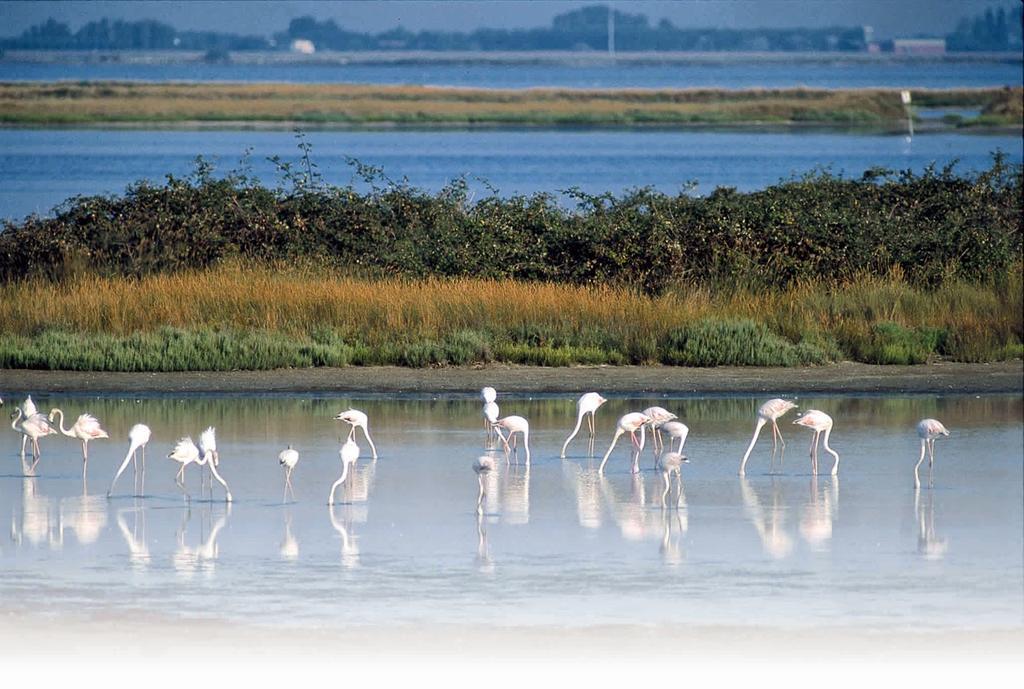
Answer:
[(847, 377)]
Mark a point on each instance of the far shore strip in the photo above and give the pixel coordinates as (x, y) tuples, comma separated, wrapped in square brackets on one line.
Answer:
[(842, 378)]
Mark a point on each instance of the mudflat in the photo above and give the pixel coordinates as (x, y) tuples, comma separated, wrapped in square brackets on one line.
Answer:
[(846, 377)]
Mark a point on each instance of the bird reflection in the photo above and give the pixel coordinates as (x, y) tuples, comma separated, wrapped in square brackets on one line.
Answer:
[(929, 545), (674, 524), (289, 548), (816, 519), (38, 524), (586, 484), (349, 545), (635, 519), (134, 537), (515, 491), (768, 523), (187, 560), (85, 515), (483, 555)]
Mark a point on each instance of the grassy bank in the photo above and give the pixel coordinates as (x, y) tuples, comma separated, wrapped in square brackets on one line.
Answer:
[(62, 104), (249, 317)]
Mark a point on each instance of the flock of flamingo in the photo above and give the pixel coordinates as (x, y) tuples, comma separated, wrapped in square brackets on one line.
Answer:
[(33, 425)]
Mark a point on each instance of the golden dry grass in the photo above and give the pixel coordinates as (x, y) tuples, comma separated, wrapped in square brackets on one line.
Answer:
[(298, 300), (124, 102)]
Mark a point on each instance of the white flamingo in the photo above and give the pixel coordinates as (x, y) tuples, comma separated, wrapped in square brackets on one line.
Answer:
[(491, 413), (928, 430), (769, 412), (32, 427), (670, 464), (357, 419), (86, 428), (588, 403), (210, 458), (349, 454), (483, 465), (28, 409), (676, 430), (185, 453), (628, 423), (659, 416), (819, 422), (288, 459), (138, 436), (514, 424)]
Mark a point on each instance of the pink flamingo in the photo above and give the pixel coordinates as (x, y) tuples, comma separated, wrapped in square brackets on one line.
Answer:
[(628, 423), (210, 457), (928, 430), (33, 427), (659, 417), (349, 454), (588, 403), (514, 424), (819, 422), (86, 428), (483, 465), (138, 436), (770, 411), (670, 464), (489, 395), (674, 430), (357, 419), (185, 453)]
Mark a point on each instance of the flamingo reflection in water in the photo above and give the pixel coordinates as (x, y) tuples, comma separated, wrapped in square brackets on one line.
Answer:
[(187, 560), (586, 485), (349, 543), (289, 547), (768, 523), (482, 466), (38, 524), (135, 537), (85, 515), (634, 515), (818, 514), (930, 546)]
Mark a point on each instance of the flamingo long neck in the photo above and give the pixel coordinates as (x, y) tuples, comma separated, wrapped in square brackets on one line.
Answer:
[(757, 431), (835, 467), (60, 413), (17, 419), (579, 422), (618, 432)]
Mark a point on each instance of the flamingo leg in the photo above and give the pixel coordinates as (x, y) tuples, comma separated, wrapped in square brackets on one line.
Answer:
[(142, 482), (373, 448), (931, 462), (590, 423)]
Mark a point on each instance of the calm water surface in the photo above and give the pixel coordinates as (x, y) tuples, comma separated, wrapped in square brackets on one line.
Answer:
[(40, 169), (558, 544), (827, 73)]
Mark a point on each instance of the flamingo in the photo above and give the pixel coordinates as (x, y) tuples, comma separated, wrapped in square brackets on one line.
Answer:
[(490, 418), (819, 422), (659, 417), (86, 428), (185, 453), (349, 454), (28, 408), (928, 430), (288, 459), (670, 463), (138, 436), (209, 457), (629, 423), (772, 411), (483, 465), (588, 403), (675, 429), (357, 419), (514, 424), (35, 427)]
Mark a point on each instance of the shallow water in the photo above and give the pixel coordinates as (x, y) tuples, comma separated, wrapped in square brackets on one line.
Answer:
[(557, 544), (40, 169)]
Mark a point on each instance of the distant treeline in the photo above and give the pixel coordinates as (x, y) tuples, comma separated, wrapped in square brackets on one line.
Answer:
[(583, 29)]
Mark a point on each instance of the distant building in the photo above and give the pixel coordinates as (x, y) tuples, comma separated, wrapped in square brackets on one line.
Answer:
[(919, 46), (303, 46)]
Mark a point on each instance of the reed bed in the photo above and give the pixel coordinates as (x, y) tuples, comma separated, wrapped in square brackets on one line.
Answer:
[(245, 316), (95, 102)]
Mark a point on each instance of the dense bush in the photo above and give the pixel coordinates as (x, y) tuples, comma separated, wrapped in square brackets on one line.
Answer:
[(934, 226)]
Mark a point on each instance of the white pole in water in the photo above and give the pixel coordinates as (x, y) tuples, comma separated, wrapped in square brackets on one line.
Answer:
[(905, 97)]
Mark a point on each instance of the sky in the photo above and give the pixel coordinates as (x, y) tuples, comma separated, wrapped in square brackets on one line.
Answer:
[(890, 18)]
